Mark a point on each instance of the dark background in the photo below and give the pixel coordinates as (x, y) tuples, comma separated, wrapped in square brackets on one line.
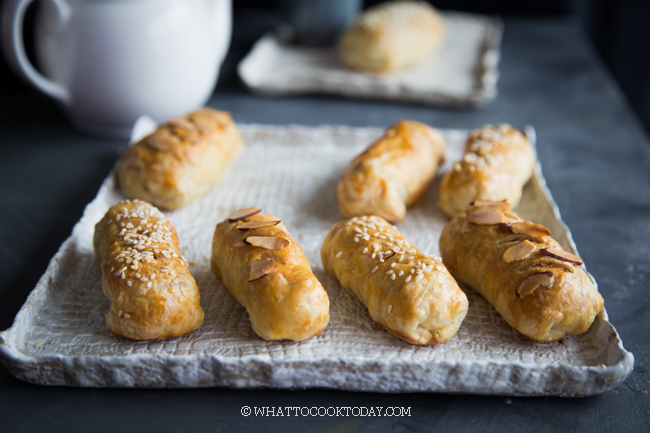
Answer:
[(595, 158), (618, 30)]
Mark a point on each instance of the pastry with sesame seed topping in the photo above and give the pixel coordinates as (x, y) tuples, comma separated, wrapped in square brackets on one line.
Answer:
[(393, 173), (264, 268), (538, 288), (392, 36), (180, 161), (413, 298), (497, 163), (156, 297)]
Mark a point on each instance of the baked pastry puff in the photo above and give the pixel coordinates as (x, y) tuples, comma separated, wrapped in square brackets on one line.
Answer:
[(266, 271), (180, 161), (392, 36), (393, 173), (497, 163), (538, 288), (408, 293), (153, 295)]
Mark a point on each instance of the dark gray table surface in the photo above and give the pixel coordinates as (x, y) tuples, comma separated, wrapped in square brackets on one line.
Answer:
[(596, 159)]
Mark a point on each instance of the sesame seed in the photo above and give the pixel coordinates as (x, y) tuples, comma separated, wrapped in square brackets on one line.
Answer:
[(392, 277), (382, 237), (400, 273), (356, 239), (128, 283), (389, 272), (390, 307), (172, 272), (339, 254), (149, 285), (137, 275), (419, 277), (401, 257), (143, 279), (373, 271), (358, 230), (374, 255), (365, 250), (392, 265), (412, 270), (126, 316), (152, 276), (408, 278)]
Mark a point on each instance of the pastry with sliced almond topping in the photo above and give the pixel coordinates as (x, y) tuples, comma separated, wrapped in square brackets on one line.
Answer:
[(261, 265), (407, 292), (181, 160), (540, 289), (497, 163)]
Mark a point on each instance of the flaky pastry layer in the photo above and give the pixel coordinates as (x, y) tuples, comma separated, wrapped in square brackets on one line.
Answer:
[(393, 173), (407, 292), (287, 303), (153, 295), (497, 163), (392, 36), (180, 161), (516, 266)]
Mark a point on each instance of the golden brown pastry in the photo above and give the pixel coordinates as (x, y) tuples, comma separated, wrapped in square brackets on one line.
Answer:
[(153, 295), (392, 36), (408, 293), (182, 160), (540, 290), (393, 173), (497, 163), (266, 271)]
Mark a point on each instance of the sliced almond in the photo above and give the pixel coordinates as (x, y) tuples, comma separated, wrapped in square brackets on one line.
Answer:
[(531, 283), (529, 228), (502, 205), (257, 224), (268, 242), (559, 254), (519, 251), (261, 268), (485, 216), (242, 214)]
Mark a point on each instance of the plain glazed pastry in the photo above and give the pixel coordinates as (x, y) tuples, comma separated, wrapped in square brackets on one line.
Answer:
[(392, 36), (393, 173), (408, 293), (497, 163), (266, 271), (153, 295), (538, 288), (180, 161)]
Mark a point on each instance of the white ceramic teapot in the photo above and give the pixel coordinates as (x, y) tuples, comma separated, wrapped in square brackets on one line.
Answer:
[(110, 61)]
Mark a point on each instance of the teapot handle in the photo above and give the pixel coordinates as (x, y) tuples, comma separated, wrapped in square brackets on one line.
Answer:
[(13, 15)]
